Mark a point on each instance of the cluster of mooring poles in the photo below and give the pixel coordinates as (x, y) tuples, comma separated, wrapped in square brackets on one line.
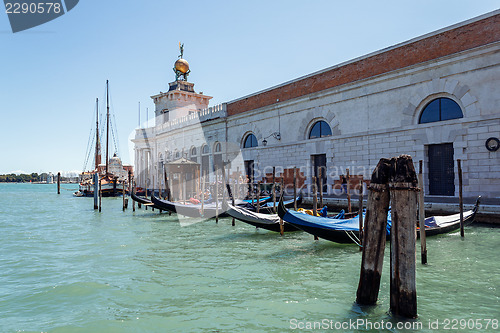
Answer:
[(394, 184)]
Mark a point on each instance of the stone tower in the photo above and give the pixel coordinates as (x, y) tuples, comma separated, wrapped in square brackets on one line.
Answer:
[(180, 100)]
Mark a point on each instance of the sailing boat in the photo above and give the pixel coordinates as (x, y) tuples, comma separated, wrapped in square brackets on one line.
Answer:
[(108, 179)]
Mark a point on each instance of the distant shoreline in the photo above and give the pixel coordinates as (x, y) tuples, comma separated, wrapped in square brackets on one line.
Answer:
[(62, 182)]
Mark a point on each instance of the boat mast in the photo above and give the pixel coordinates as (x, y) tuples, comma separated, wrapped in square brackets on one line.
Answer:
[(97, 143), (107, 126)]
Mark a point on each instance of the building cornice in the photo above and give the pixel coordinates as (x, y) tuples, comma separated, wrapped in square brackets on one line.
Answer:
[(467, 35)]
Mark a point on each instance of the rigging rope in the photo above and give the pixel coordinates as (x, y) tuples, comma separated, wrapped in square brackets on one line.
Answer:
[(89, 153), (89, 144), (355, 239), (114, 130)]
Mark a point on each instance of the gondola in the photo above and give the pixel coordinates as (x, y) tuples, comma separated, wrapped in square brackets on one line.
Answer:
[(243, 202), (347, 230), (259, 220), (143, 201), (268, 207), (190, 210)]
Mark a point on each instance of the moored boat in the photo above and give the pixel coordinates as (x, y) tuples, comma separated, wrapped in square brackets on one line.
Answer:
[(112, 174), (189, 210), (347, 230), (259, 220)]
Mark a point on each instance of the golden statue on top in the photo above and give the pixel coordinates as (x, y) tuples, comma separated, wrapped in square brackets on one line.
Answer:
[(181, 66)]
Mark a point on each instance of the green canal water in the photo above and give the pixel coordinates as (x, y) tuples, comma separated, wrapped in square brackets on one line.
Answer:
[(66, 268)]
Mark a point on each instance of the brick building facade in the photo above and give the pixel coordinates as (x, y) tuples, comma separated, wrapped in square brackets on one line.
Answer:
[(435, 98)]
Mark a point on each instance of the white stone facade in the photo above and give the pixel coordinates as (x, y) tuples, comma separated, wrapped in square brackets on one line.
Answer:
[(370, 119)]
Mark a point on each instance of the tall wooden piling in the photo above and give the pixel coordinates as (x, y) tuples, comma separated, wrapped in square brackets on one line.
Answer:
[(167, 186), (123, 195), (421, 215), (202, 194), (258, 198), (282, 225), (100, 195), (360, 213), (374, 235), (96, 193), (252, 193), (223, 188), (348, 191), (232, 194), (129, 182), (295, 188), (133, 201), (227, 185), (315, 201), (460, 197), (274, 190), (320, 174), (403, 191), (58, 183), (217, 195)]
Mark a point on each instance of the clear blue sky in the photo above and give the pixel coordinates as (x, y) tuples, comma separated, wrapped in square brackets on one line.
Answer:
[(51, 74)]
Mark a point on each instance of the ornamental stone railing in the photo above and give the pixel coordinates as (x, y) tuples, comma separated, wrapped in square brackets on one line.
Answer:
[(210, 113)]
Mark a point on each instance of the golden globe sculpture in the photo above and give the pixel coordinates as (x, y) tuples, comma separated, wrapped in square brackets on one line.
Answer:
[(182, 65)]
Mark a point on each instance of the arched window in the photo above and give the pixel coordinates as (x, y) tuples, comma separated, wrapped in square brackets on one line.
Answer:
[(217, 156), (250, 141), (319, 130), (440, 109), (205, 149), (193, 151), (218, 147)]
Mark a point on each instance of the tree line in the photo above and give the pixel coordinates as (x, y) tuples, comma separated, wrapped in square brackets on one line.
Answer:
[(23, 178)]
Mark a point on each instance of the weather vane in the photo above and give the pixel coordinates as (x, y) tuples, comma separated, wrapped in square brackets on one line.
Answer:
[(181, 66)]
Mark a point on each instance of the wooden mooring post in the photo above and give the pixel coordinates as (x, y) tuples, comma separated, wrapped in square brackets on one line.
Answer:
[(393, 181), (258, 198), (274, 190), (421, 215), (295, 188), (100, 195), (96, 193), (232, 194), (360, 213), (315, 201), (374, 235), (282, 225), (460, 197), (403, 191), (202, 194), (58, 183), (227, 182), (167, 189), (123, 196), (217, 195), (348, 191), (320, 175), (133, 201)]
